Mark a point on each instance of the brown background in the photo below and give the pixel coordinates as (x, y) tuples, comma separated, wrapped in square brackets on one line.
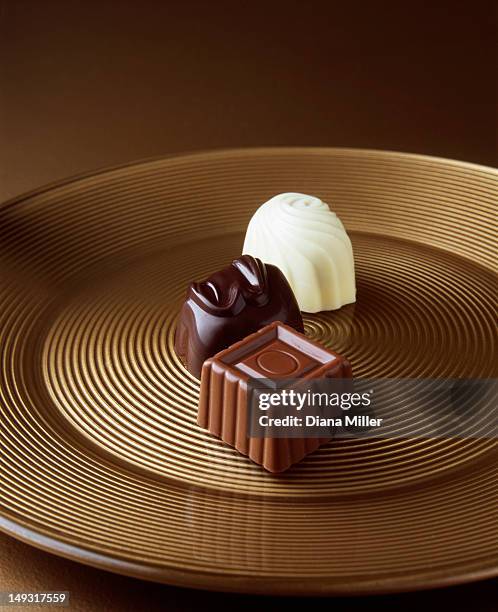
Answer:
[(93, 83)]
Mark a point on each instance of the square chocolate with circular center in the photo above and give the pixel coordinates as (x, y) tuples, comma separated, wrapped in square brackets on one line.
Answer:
[(277, 360), (275, 352)]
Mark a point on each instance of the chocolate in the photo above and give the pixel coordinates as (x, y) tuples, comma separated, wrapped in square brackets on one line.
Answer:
[(232, 303), (307, 241), (275, 352)]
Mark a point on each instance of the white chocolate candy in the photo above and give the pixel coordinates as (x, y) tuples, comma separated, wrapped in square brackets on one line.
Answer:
[(307, 241)]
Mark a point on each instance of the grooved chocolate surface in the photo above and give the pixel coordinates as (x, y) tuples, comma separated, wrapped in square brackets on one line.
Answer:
[(275, 352)]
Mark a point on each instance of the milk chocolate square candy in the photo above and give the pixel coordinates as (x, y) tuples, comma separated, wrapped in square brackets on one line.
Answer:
[(275, 352)]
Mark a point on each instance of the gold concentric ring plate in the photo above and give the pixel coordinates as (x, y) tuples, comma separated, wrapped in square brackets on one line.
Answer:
[(101, 459)]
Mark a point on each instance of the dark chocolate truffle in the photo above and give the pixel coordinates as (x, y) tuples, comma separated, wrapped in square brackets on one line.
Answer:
[(229, 305)]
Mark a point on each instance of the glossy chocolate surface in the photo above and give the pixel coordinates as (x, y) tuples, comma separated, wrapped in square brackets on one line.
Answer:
[(274, 352), (280, 352), (231, 304)]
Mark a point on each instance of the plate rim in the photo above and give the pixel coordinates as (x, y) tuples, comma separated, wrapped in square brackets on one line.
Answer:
[(223, 583), (142, 161)]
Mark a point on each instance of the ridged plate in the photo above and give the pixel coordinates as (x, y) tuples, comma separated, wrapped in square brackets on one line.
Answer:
[(101, 459)]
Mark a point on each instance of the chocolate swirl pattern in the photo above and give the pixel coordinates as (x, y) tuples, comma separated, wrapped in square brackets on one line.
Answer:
[(301, 235), (229, 305)]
